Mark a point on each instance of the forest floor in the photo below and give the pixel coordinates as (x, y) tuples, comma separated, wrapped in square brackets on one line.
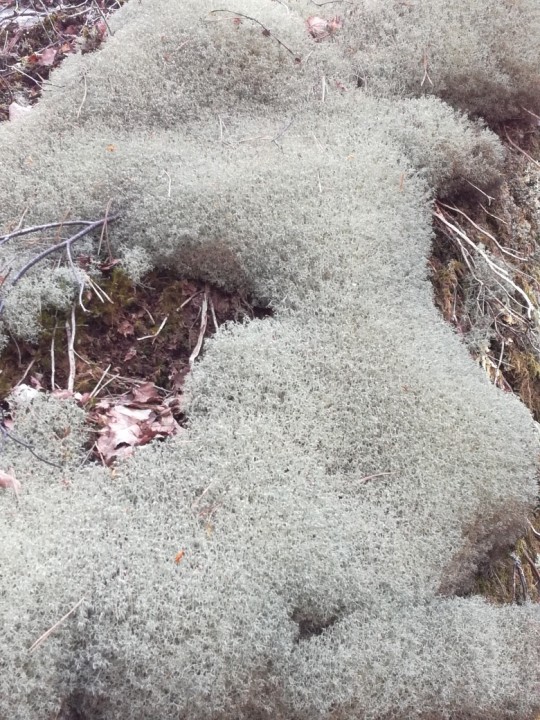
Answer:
[(136, 342)]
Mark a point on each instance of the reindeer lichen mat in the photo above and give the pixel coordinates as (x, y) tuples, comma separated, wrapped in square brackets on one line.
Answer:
[(307, 548)]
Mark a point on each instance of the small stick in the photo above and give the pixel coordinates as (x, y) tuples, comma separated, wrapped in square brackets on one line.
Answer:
[(154, 336), (492, 215), (109, 381), (78, 280), (38, 228), (53, 367), (190, 298), (41, 639), (213, 313), (19, 224), (30, 366), (204, 321), (70, 331), (105, 231), (531, 113), (534, 530), (100, 292), (480, 190), (96, 389), (499, 364)]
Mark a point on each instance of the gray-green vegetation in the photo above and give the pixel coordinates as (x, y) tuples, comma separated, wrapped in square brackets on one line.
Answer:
[(347, 468)]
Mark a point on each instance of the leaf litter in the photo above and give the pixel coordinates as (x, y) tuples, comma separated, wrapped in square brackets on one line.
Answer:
[(135, 344)]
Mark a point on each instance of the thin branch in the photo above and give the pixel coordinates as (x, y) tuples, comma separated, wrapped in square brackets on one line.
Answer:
[(30, 366), (531, 113), (489, 197), (7, 433), (37, 228), (213, 313), (500, 272), (154, 335), (41, 639), (59, 246), (515, 145), (98, 385), (483, 231), (53, 364)]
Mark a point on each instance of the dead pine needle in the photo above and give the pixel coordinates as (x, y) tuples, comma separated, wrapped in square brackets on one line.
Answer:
[(41, 639), (376, 475)]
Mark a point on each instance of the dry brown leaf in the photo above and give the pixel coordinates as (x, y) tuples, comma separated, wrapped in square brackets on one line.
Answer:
[(146, 393)]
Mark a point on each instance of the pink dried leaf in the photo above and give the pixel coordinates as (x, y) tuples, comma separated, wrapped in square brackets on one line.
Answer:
[(320, 28), (9, 481), (47, 57)]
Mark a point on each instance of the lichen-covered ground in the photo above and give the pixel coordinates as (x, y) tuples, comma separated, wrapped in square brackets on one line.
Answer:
[(316, 542)]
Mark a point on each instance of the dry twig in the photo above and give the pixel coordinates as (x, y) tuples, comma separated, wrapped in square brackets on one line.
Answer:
[(41, 639), (63, 245)]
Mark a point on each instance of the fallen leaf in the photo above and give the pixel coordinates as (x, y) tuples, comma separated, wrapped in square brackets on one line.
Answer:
[(145, 393), (320, 28), (47, 57), (9, 481), (131, 353)]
